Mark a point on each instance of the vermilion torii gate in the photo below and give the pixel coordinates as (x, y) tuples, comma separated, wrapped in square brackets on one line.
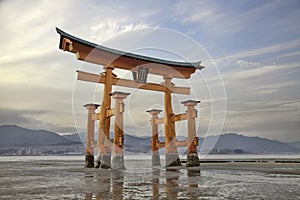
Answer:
[(140, 67)]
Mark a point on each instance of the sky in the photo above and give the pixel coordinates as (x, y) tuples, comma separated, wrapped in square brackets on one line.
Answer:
[(250, 48)]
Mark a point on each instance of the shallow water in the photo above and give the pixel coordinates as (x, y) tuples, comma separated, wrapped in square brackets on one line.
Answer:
[(65, 178)]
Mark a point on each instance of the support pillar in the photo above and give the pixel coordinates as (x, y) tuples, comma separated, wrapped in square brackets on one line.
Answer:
[(89, 150), (172, 158), (155, 152), (118, 153), (103, 143), (192, 141)]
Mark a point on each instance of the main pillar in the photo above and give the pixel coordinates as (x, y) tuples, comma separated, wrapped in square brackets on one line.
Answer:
[(118, 154), (172, 158), (89, 150), (155, 152), (103, 143), (192, 141)]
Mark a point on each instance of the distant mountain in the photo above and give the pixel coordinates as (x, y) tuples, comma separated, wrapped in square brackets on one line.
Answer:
[(131, 143), (294, 144), (74, 137), (11, 135), (248, 144), (137, 144), (229, 141)]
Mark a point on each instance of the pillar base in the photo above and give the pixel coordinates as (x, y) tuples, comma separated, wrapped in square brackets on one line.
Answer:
[(89, 161), (172, 160), (105, 161), (118, 162), (97, 163), (155, 159), (192, 160)]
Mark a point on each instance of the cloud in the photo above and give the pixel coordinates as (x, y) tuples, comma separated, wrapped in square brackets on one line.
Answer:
[(260, 41), (34, 73), (268, 49), (28, 119), (209, 15), (291, 54), (276, 86), (286, 131), (228, 18), (105, 30), (260, 95), (260, 71), (31, 24), (37, 105)]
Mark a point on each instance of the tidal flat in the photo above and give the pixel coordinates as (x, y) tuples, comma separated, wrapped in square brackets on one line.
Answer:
[(64, 177)]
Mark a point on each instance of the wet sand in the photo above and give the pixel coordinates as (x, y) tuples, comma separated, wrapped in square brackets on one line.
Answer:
[(67, 179), (269, 168)]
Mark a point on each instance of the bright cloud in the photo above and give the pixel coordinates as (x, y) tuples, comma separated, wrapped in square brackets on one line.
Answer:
[(104, 31)]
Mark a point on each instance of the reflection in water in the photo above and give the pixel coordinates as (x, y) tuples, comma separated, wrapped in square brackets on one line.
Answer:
[(117, 184), (172, 176), (193, 175), (88, 196), (88, 184), (104, 184), (155, 184)]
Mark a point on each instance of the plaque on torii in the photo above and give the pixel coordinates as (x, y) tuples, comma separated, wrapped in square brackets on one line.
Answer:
[(140, 66)]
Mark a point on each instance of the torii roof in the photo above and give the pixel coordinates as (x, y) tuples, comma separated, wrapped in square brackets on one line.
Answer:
[(94, 53)]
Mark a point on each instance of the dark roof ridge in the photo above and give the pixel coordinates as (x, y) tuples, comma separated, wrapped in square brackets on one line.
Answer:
[(196, 65)]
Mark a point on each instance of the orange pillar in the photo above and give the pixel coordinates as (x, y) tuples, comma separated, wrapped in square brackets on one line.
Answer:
[(155, 151), (103, 143), (89, 150), (172, 158), (118, 154), (192, 141)]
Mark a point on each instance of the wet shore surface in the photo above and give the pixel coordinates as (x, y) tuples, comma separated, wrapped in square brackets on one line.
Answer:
[(67, 179)]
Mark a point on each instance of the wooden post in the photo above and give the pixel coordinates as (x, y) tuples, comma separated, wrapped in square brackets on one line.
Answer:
[(118, 154), (89, 150), (192, 157), (172, 158), (155, 152), (103, 142)]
